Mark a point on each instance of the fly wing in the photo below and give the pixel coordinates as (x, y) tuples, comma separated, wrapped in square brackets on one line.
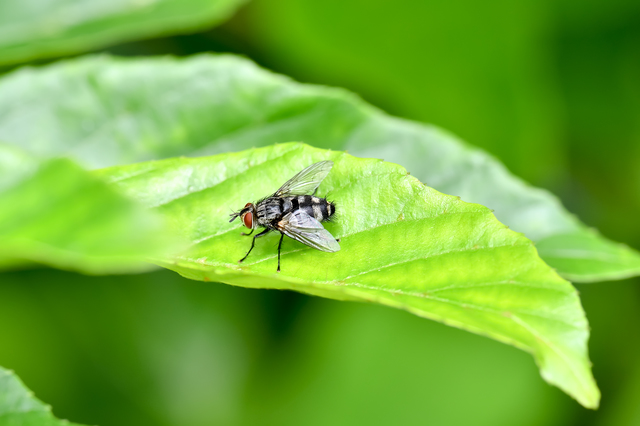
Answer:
[(306, 229), (306, 181)]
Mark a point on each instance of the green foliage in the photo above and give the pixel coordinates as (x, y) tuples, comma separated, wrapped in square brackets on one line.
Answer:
[(403, 245), (478, 69), (18, 406), (173, 351), (57, 214), (474, 72), (212, 104), (34, 29)]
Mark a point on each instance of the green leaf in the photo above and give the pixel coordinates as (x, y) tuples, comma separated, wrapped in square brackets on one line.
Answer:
[(18, 406), (437, 158), (403, 245), (57, 214), (124, 111), (31, 30)]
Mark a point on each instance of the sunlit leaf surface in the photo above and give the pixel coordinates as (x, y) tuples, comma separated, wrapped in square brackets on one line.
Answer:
[(57, 214), (18, 406), (105, 111), (31, 29), (403, 244)]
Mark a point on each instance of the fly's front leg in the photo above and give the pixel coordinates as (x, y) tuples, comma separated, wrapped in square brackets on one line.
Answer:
[(253, 242), (279, 246), (246, 235)]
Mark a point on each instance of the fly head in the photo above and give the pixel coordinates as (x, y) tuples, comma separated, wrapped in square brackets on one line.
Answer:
[(247, 215)]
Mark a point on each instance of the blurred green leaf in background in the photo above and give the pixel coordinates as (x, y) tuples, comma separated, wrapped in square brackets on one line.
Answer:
[(33, 29), (212, 104), (549, 88), (56, 214), (18, 406)]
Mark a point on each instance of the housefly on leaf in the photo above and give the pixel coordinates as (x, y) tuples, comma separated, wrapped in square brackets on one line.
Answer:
[(293, 212)]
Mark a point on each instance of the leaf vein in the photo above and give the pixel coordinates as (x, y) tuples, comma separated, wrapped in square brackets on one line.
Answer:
[(427, 256), (426, 295)]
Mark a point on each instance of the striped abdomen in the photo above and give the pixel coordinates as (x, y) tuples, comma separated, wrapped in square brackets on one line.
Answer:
[(316, 207)]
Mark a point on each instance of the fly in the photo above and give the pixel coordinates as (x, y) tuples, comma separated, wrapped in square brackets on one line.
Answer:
[(294, 213)]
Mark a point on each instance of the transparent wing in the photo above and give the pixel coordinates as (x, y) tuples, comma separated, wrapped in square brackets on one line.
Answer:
[(306, 229), (307, 181)]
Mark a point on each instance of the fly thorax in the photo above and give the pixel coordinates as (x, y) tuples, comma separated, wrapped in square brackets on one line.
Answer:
[(268, 211)]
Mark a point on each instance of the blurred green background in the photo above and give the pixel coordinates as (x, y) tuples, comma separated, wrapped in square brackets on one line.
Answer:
[(550, 88)]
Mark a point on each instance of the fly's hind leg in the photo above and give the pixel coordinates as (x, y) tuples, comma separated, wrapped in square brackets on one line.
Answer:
[(279, 246), (253, 242)]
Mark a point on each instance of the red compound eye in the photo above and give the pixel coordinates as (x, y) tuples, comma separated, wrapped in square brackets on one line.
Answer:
[(247, 205), (248, 220)]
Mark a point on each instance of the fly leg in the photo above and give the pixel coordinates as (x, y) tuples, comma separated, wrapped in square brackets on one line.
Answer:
[(246, 235), (279, 246), (253, 242)]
